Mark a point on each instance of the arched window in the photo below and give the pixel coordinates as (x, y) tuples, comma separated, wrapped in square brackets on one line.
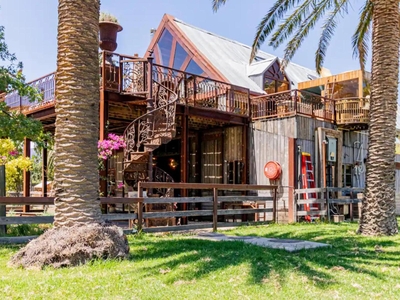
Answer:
[(274, 80)]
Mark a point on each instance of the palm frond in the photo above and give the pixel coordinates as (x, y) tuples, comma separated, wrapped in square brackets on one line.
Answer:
[(216, 4), (291, 23), (268, 22), (361, 38), (328, 29), (304, 28)]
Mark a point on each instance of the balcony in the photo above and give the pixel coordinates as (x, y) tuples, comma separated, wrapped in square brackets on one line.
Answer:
[(352, 113), (128, 75), (292, 103)]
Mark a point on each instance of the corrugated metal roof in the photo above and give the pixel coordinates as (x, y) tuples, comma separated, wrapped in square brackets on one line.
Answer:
[(231, 58), (260, 66)]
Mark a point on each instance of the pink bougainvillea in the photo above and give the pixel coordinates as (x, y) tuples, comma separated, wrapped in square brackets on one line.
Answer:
[(112, 143), (13, 152)]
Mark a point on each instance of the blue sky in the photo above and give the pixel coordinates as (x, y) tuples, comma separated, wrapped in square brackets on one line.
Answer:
[(31, 29)]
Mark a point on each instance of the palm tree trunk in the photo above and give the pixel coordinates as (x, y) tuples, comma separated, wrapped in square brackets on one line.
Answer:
[(378, 211), (77, 108)]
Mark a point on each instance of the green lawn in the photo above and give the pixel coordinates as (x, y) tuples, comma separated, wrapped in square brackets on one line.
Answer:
[(179, 267)]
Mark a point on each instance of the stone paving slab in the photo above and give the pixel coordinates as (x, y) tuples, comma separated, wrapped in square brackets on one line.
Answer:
[(290, 245)]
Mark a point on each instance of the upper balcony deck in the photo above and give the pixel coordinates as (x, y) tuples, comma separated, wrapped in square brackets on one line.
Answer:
[(346, 113), (129, 76)]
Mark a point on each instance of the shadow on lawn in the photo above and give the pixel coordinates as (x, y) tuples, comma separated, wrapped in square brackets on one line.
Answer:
[(190, 259)]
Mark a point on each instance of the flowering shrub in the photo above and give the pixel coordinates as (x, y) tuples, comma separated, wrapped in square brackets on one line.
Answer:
[(106, 147), (15, 164)]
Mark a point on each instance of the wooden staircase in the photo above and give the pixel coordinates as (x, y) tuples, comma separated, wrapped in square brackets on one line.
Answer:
[(148, 132)]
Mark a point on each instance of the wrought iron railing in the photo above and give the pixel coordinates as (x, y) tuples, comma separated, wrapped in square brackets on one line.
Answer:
[(352, 111), (154, 128), (124, 74), (203, 92), (45, 85), (159, 175), (294, 102)]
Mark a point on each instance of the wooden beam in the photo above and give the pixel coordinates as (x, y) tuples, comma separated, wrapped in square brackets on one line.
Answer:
[(245, 156), (103, 136), (26, 174), (292, 179), (185, 159), (210, 186)]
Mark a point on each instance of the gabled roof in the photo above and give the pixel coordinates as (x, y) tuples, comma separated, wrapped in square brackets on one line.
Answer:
[(231, 58), (259, 67)]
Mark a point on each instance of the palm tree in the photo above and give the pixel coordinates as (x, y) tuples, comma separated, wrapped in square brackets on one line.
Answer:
[(299, 17), (77, 107)]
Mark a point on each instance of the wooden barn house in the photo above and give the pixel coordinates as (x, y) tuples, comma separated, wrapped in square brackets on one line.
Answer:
[(194, 110)]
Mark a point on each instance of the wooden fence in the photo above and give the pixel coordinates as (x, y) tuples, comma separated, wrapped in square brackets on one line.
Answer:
[(142, 203), (317, 202)]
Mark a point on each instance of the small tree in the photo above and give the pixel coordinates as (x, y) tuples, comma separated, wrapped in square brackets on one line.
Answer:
[(14, 163)]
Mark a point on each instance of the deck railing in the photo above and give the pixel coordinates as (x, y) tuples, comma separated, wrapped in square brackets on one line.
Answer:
[(290, 103), (129, 75), (318, 202), (200, 91), (146, 210), (45, 85), (352, 111)]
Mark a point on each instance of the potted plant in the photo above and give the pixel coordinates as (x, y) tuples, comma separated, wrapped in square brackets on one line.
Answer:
[(109, 27)]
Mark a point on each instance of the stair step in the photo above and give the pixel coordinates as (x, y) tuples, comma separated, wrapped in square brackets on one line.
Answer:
[(137, 156)]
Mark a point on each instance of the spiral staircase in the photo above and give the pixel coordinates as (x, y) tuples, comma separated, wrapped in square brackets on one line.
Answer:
[(148, 132)]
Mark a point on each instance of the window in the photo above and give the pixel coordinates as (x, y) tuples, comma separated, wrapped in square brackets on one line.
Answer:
[(164, 47), (194, 68), (180, 56), (342, 89), (275, 81)]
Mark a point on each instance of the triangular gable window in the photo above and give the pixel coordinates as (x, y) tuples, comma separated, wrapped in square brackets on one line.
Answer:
[(194, 68), (274, 80), (180, 56), (164, 47), (181, 59)]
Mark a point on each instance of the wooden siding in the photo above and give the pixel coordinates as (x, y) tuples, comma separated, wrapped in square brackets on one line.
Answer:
[(306, 127), (283, 127), (334, 78), (265, 146), (233, 143)]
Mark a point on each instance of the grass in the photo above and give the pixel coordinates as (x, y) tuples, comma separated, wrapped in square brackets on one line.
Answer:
[(180, 267), (26, 229)]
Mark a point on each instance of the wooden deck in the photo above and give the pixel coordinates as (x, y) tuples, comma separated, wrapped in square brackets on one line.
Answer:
[(125, 84)]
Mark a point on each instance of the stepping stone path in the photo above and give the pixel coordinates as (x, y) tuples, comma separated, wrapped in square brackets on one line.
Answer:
[(286, 244)]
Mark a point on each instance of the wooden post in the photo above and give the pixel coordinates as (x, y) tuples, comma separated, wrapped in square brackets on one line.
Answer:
[(140, 207), (184, 159), (328, 211), (274, 207), (215, 208), (292, 179), (44, 171), (351, 207), (249, 108), (3, 228), (103, 132), (27, 174), (245, 159)]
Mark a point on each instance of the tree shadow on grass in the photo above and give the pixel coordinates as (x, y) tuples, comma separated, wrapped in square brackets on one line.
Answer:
[(189, 258), (193, 259)]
